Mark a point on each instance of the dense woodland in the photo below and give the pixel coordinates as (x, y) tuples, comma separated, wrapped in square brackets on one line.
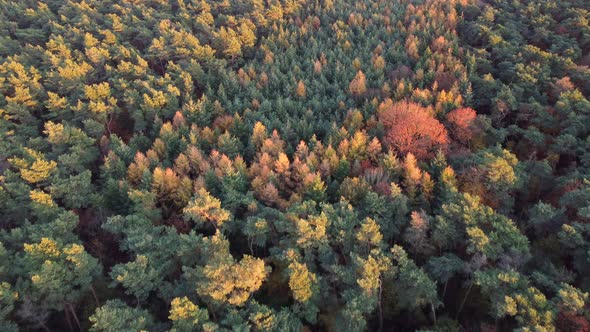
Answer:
[(294, 165)]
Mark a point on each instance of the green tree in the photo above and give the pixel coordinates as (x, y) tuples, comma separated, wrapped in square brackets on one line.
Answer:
[(138, 277), (56, 275), (115, 315)]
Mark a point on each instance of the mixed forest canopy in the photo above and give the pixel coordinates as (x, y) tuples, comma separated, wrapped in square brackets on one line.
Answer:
[(294, 165)]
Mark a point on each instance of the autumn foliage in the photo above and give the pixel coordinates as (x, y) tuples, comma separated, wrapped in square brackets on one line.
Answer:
[(411, 128), (294, 165), (358, 85), (461, 123)]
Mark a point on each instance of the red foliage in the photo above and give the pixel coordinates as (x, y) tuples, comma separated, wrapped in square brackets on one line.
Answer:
[(411, 128), (461, 123), (366, 164), (570, 322), (383, 188)]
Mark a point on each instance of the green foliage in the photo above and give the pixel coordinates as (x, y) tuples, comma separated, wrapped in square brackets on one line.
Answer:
[(294, 165), (138, 277), (115, 315), (412, 285)]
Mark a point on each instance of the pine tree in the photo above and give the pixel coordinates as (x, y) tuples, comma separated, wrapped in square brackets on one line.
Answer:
[(115, 315), (206, 208)]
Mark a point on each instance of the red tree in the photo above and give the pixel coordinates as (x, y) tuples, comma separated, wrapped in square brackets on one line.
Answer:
[(461, 123), (411, 128), (570, 322)]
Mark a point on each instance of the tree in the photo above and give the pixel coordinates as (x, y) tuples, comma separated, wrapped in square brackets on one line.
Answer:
[(416, 235), (8, 297), (411, 128), (300, 90), (369, 235), (443, 268), (302, 282), (206, 208), (138, 277), (76, 191), (115, 315), (412, 285), (511, 295), (223, 281), (231, 42), (494, 175), (247, 36), (34, 168), (572, 299), (187, 316), (461, 123), (310, 232), (358, 85), (57, 275), (171, 189)]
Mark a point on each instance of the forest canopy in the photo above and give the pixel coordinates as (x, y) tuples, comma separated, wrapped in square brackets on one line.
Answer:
[(294, 165)]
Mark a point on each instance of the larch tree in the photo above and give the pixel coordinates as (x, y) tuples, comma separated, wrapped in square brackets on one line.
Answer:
[(300, 90), (358, 85)]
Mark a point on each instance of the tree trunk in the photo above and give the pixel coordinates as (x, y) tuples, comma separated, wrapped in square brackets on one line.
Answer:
[(250, 246), (433, 313), (464, 299), (380, 306), (44, 326), (67, 318), (75, 316), (95, 297)]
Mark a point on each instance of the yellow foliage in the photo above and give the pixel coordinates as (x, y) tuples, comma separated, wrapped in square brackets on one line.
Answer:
[(233, 283), (97, 92), (41, 197), (301, 282), (46, 247), (36, 170), (182, 308)]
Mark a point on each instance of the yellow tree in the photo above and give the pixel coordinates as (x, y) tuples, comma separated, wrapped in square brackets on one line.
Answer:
[(226, 282), (206, 208), (231, 42), (358, 85), (34, 168)]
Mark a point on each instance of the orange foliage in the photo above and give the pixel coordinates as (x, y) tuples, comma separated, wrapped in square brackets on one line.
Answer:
[(178, 121), (358, 85), (461, 123), (411, 128), (300, 90)]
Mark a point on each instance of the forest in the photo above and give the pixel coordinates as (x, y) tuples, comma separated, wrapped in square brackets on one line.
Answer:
[(294, 165)]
